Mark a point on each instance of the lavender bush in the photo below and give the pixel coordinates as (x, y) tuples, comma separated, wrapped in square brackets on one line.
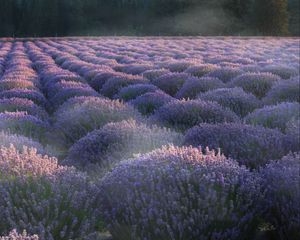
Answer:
[(185, 114), (171, 82), (201, 70), (113, 85), (280, 205), (134, 91), (180, 193), (23, 124), (249, 145), (256, 83), (33, 95), (275, 116), (46, 199), (148, 103), (235, 99), (193, 86), (116, 141), (284, 72), (225, 74), (284, 91), (22, 104), (79, 119)]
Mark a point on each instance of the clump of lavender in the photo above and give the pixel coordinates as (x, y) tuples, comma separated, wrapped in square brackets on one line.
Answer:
[(225, 74), (149, 102), (76, 120), (19, 142), (100, 79), (201, 69), (256, 83), (33, 95), (185, 114), (113, 85), (14, 235), (280, 186), (249, 145), (171, 82), (133, 91), (283, 71), (180, 193), (284, 91), (116, 141), (23, 124), (12, 84), (154, 73), (22, 104), (193, 86), (235, 99), (275, 116), (45, 198)]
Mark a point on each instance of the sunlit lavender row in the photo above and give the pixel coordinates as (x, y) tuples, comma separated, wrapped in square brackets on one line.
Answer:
[(150, 139)]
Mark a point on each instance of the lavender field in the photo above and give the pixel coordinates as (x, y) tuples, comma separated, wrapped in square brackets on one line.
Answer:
[(150, 138)]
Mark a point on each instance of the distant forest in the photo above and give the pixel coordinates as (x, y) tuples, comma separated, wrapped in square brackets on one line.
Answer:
[(42, 18)]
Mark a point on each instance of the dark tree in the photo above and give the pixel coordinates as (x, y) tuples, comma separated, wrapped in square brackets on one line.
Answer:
[(271, 17)]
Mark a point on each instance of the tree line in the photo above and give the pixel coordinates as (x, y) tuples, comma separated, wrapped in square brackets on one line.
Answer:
[(41, 18)]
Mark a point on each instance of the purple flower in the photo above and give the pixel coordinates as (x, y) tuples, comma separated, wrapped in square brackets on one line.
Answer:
[(180, 193)]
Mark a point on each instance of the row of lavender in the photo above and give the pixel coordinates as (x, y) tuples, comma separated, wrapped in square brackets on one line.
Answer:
[(61, 97)]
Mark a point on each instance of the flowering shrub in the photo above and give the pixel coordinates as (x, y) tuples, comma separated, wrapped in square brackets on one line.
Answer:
[(171, 82), (256, 83), (235, 99), (13, 235), (184, 114), (275, 116), (225, 74), (154, 73), (284, 72), (280, 204), (249, 145), (151, 101), (117, 141), (68, 93), (80, 118), (284, 91), (22, 104), (180, 193), (193, 86), (33, 95), (11, 84), (114, 84), (201, 70), (23, 124), (19, 142), (133, 91), (100, 79), (39, 195)]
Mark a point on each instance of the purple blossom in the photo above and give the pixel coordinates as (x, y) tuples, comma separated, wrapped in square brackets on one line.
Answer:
[(116, 141), (185, 114), (280, 205), (194, 86), (235, 99), (180, 193), (256, 83), (249, 145), (274, 116), (151, 101)]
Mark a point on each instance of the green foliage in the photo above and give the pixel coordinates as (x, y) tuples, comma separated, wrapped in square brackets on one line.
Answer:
[(271, 17)]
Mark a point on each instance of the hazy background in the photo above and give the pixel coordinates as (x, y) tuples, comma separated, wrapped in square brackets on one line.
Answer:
[(40, 18)]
